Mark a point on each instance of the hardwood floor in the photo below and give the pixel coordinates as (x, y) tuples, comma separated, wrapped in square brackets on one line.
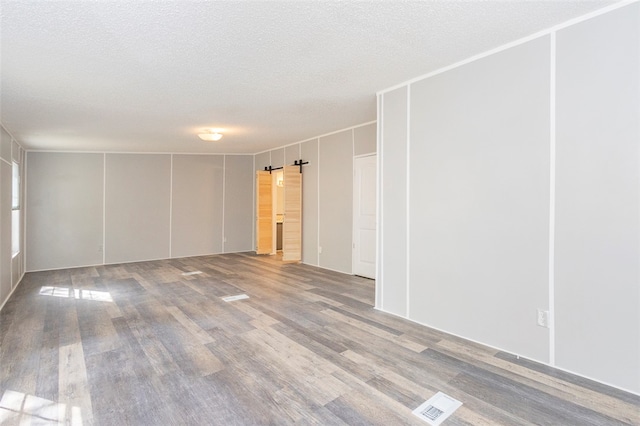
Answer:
[(144, 344)]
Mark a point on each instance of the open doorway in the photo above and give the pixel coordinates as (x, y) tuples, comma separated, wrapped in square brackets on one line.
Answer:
[(279, 212), (278, 188)]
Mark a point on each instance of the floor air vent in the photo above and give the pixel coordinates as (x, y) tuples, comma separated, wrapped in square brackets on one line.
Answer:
[(437, 408), (234, 298)]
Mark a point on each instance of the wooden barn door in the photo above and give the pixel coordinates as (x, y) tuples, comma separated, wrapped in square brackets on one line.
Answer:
[(264, 213), (292, 226)]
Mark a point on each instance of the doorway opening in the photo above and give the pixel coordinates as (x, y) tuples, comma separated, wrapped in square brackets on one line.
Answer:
[(279, 212)]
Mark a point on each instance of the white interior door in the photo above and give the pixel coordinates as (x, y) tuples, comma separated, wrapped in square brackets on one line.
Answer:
[(364, 216)]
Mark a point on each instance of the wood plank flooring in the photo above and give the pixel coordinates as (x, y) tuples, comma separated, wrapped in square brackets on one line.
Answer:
[(143, 344)]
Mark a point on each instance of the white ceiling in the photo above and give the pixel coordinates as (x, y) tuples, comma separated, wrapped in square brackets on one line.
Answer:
[(147, 76)]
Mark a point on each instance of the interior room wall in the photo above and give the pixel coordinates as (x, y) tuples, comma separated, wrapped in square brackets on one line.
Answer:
[(393, 210), (335, 194), (309, 152), (197, 215), (597, 251), (523, 194), (5, 221), (138, 207), (238, 203), (11, 267), (327, 186), (65, 210), (479, 185)]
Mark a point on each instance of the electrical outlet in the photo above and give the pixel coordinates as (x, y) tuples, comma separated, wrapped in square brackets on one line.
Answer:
[(319, 249), (100, 248), (543, 318)]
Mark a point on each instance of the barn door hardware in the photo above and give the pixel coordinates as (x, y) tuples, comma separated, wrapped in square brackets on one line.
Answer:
[(300, 163)]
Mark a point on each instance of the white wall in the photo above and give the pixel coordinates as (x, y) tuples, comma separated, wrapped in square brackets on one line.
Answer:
[(11, 267), (597, 274), (88, 209), (393, 237), (327, 186), (137, 207), (197, 215), (65, 210), (336, 201), (496, 227), (479, 198), (238, 203)]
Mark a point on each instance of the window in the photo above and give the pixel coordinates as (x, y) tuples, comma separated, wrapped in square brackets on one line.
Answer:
[(15, 211)]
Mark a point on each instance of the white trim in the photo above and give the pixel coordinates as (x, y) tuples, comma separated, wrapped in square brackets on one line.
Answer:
[(104, 208), (353, 201), (337, 270), (8, 162), (552, 199), (379, 222), (136, 152), (10, 134), (407, 204), (224, 195), (254, 218), (24, 216), (317, 137), (512, 44), (126, 262), (318, 205), (13, 288), (353, 143), (486, 345), (369, 154), (170, 205)]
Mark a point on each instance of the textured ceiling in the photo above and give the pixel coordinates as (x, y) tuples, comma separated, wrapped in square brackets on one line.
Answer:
[(147, 76)]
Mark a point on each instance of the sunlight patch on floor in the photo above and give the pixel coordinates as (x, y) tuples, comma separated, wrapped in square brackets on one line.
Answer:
[(76, 293), (19, 408)]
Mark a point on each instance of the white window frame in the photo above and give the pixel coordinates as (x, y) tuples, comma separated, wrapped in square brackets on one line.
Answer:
[(16, 201)]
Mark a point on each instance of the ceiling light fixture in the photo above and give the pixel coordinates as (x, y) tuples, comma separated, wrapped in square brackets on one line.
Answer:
[(210, 136)]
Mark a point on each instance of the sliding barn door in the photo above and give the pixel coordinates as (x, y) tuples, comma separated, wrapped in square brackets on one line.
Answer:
[(292, 226), (264, 213)]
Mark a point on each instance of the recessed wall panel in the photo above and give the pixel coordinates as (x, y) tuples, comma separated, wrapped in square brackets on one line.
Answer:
[(479, 199), (15, 151), (5, 145), (310, 203), (364, 139), (196, 212), (291, 154), (277, 157), (336, 201), (239, 203), (263, 160), (597, 227), (137, 207), (5, 230), (393, 223), (64, 210)]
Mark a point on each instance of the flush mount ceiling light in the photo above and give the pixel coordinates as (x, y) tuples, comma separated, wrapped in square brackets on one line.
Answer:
[(210, 135)]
